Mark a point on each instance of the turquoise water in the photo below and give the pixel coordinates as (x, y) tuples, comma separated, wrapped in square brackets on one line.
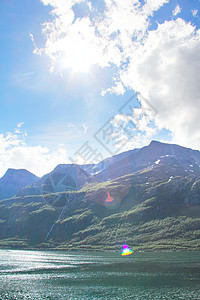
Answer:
[(85, 275)]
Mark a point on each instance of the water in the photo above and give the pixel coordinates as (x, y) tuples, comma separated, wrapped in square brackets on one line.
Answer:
[(85, 275)]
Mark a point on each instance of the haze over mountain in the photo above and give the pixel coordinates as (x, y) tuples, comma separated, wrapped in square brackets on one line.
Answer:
[(14, 180), (148, 197)]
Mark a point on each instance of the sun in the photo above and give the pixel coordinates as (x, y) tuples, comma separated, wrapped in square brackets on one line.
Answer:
[(81, 63), (79, 58)]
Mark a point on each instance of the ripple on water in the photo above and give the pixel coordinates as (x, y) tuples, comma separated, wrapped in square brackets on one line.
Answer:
[(57, 275)]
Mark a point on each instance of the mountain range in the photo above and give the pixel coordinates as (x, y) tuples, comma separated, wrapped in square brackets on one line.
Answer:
[(148, 198)]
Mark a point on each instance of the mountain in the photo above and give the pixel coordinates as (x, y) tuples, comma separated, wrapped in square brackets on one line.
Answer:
[(148, 198), (176, 159), (15, 180), (64, 177), (106, 163), (71, 176), (155, 153)]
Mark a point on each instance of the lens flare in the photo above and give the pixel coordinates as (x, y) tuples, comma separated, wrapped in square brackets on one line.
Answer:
[(109, 198), (126, 250)]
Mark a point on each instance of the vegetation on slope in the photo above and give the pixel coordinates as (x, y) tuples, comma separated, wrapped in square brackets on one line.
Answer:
[(148, 211)]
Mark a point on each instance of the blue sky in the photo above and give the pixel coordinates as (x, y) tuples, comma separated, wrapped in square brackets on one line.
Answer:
[(67, 67)]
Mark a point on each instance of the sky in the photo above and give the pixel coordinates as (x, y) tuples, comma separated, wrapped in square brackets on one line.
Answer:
[(83, 80)]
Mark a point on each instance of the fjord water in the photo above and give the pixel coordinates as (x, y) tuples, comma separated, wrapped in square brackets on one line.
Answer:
[(85, 275)]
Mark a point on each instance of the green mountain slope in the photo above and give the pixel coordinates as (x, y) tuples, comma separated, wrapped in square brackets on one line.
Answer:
[(156, 208)]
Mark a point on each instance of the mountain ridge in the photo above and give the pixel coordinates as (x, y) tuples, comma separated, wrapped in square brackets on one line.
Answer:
[(150, 199), (127, 162)]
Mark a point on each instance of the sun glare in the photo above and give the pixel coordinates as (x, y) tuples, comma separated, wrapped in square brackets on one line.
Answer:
[(79, 58), (81, 64)]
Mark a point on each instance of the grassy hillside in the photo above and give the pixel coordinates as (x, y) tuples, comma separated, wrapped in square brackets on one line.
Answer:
[(148, 212)]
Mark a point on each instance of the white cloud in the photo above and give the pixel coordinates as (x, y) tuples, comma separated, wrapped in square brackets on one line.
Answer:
[(154, 5), (117, 89), (89, 5), (15, 153), (137, 127), (85, 128), (162, 64), (70, 125), (18, 129), (165, 69), (94, 40), (71, 43), (20, 124), (194, 12), (177, 10)]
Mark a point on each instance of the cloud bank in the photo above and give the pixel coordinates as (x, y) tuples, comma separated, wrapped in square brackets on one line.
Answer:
[(162, 63)]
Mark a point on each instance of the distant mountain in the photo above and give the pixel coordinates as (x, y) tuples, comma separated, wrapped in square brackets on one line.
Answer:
[(148, 198), (185, 162), (186, 159), (15, 180), (64, 177)]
